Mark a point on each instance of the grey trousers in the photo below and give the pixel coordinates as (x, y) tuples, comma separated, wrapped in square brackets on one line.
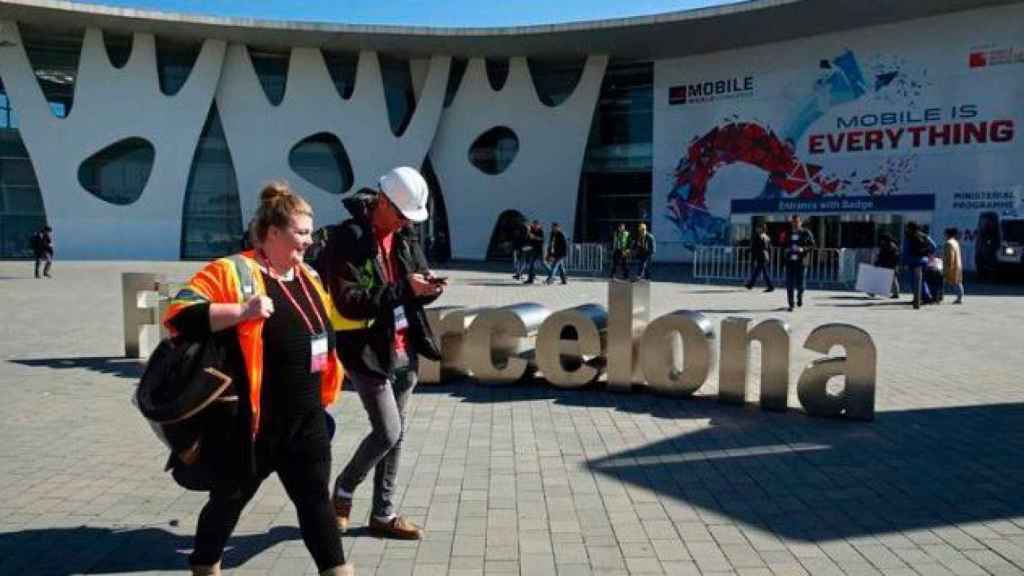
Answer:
[(385, 402)]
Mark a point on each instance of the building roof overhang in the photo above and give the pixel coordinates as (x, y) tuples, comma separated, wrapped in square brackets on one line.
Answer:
[(668, 35)]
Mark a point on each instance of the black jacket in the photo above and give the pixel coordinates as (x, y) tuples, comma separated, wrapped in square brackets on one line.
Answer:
[(535, 239), (558, 246), (350, 266), (760, 247), (888, 253)]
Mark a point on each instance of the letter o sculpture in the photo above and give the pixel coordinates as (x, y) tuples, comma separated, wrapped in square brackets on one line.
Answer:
[(657, 352)]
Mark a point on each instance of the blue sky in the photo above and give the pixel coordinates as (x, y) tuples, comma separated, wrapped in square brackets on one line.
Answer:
[(461, 13)]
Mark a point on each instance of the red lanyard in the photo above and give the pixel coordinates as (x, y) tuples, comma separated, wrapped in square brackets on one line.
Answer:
[(291, 299)]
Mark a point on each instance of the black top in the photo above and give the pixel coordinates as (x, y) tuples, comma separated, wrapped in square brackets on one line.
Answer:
[(290, 390)]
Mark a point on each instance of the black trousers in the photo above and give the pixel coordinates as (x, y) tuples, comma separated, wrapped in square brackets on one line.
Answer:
[(760, 269), (620, 259), (302, 459)]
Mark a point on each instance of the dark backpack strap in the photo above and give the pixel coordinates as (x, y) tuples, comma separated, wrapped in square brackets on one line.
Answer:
[(245, 272)]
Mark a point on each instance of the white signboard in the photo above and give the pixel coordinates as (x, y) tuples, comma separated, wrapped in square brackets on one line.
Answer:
[(920, 118)]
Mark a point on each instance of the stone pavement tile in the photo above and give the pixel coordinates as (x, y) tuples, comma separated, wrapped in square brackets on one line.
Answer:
[(753, 572), (644, 566), (821, 566), (788, 569), (570, 553), (426, 569), (605, 557), (573, 570), (670, 550)]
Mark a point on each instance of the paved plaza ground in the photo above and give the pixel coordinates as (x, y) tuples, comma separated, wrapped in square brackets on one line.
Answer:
[(528, 479)]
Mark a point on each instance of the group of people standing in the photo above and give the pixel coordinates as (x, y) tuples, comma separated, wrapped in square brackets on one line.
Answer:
[(626, 247), (917, 255), (528, 251), (288, 328)]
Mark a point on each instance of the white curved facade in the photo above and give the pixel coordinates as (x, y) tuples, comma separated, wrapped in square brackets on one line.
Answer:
[(563, 162)]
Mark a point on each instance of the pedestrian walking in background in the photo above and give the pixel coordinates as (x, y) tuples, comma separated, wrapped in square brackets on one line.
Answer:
[(889, 257), (520, 248), (760, 256), (952, 263), (916, 250), (558, 248), (620, 251), (799, 242), (535, 239), (42, 249), (643, 248)]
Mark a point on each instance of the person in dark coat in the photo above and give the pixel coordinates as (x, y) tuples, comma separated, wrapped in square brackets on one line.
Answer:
[(799, 243), (760, 254), (535, 240), (643, 248), (889, 257), (42, 249), (620, 251), (558, 249)]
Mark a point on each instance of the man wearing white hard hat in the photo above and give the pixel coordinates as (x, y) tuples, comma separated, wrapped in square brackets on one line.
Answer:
[(379, 288)]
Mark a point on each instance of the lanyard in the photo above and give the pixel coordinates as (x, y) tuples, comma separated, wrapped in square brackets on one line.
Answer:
[(295, 304)]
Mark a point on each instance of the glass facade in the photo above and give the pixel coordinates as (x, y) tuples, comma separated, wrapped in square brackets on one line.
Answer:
[(54, 58), (321, 159), (555, 80), (497, 72), (119, 172), (398, 92), (271, 67), (616, 182), (342, 67), (493, 151), (119, 47), (212, 219), (458, 70), (21, 203), (174, 62)]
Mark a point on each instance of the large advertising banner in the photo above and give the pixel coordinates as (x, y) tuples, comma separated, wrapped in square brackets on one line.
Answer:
[(920, 118)]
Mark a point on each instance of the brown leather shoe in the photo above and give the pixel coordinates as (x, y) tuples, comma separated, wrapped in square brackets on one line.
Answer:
[(397, 527), (211, 570), (342, 511)]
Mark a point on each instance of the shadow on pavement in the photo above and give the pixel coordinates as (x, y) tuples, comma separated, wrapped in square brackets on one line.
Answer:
[(807, 478), (119, 366), (93, 550)]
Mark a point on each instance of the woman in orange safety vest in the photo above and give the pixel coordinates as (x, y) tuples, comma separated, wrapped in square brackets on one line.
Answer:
[(275, 318)]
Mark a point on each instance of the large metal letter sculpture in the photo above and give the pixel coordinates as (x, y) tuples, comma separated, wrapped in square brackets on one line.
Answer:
[(141, 313), (630, 310), (590, 322), (857, 399), (449, 324), (659, 348), (735, 362), (498, 339)]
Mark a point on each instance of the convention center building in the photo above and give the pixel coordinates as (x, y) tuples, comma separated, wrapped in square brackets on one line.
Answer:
[(147, 135)]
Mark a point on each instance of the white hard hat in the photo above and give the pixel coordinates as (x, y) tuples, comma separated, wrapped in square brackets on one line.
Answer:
[(407, 190)]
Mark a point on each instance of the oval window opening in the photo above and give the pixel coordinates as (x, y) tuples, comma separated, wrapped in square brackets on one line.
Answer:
[(493, 151), (321, 160), (119, 172)]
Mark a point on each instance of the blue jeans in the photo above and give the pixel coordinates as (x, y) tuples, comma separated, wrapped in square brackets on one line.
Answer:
[(795, 281), (557, 265)]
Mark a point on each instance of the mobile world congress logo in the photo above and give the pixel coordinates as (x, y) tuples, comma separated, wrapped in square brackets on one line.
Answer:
[(990, 55), (712, 90)]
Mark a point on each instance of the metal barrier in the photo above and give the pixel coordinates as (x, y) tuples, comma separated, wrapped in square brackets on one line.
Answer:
[(586, 257), (823, 266), (145, 298)]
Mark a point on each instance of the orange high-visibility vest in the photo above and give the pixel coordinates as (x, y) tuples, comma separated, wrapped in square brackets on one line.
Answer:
[(222, 282)]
